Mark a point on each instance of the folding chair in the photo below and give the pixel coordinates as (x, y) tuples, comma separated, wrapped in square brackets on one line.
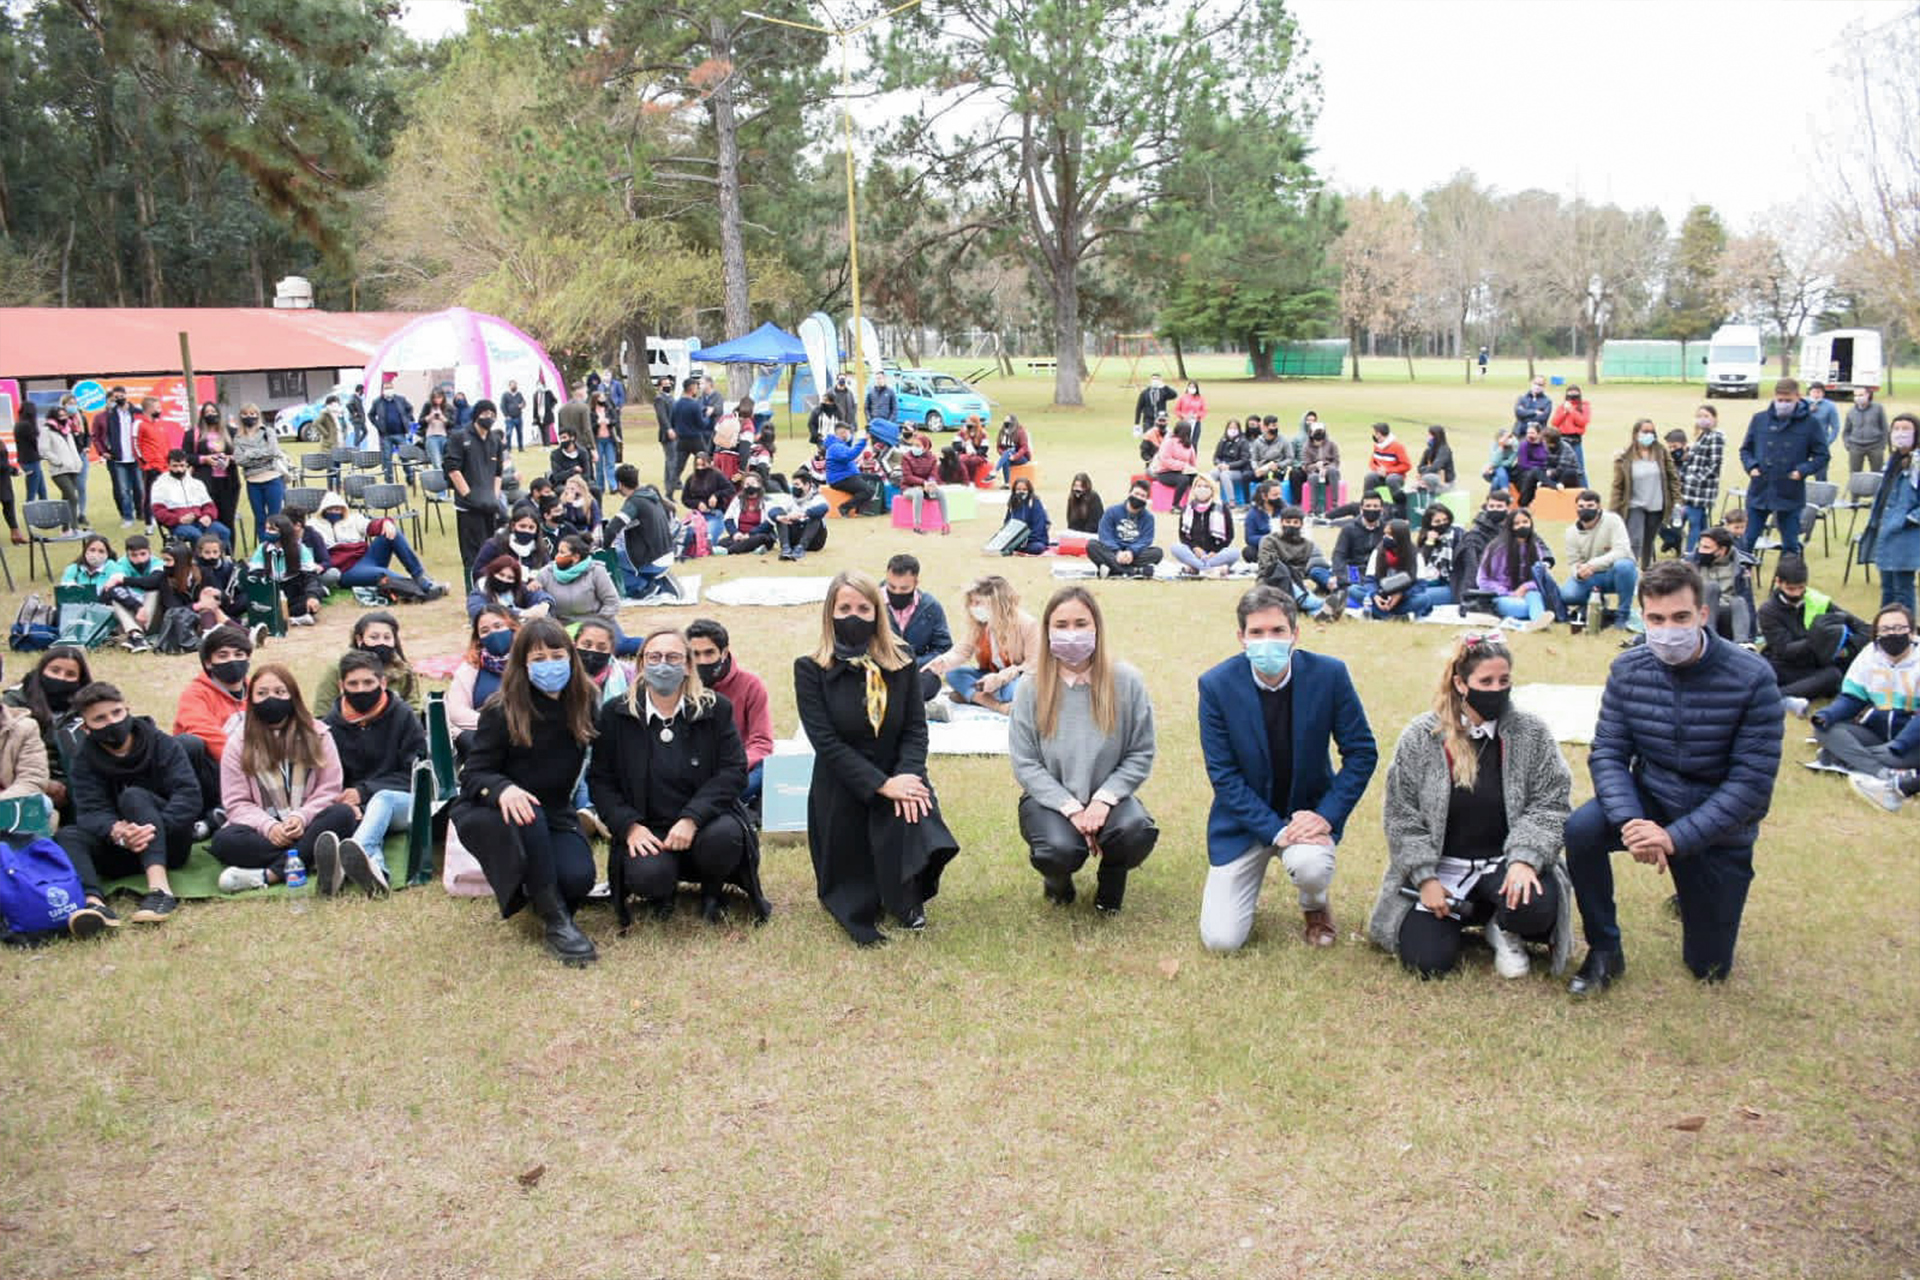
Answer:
[(439, 494), (55, 514), (390, 500), (1821, 496), (263, 603), (426, 826), (304, 499), (440, 746)]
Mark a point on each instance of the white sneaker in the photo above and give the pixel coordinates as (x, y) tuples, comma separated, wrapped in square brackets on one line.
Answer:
[(242, 879), (1822, 763), (1883, 792), (300, 620), (1509, 953), (1795, 706), (938, 708)]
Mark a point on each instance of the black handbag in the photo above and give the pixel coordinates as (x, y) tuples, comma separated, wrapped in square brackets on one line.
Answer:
[(1394, 583)]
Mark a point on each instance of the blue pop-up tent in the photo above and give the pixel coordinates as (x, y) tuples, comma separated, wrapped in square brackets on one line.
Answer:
[(769, 344)]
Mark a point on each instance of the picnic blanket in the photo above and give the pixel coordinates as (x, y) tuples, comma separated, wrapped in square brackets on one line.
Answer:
[(968, 731), (200, 877), (769, 591), (689, 594), (1451, 615), (1570, 710), (1165, 571)]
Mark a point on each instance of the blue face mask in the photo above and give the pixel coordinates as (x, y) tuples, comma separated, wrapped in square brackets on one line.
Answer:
[(498, 642), (550, 675), (1269, 657)]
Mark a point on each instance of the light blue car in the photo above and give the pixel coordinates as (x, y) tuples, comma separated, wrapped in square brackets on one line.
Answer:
[(937, 401)]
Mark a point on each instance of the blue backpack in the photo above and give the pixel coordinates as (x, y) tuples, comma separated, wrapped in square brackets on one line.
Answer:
[(35, 627), (39, 888)]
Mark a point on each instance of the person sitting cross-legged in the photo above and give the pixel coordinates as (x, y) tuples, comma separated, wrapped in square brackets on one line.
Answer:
[(1873, 727), (1000, 648), (1124, 546)]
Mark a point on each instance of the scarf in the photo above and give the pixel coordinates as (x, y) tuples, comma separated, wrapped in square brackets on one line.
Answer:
[(876, 686), (348, 714), (283, 791), (572, 573), (491, 664)]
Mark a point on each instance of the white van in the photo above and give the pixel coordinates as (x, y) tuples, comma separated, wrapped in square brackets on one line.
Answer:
[(669, 358), (1736, 361), (1844, 359)]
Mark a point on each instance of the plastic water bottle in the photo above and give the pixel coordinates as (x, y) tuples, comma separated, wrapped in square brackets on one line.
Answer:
[(296, 872)]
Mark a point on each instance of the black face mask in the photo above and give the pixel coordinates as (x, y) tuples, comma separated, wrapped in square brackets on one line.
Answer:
[(384, 652), (852, 634), (1495, 518), (1792, 602), (274, 711), (1136, 504), (1369, 517), (1524, 535), (1587, 515), (1489, 704), (1895, 645), (205, 563), (901, 599), (230, 672), (58, 692), (113, 736), (594, 661), (712, 673), (361, 700)]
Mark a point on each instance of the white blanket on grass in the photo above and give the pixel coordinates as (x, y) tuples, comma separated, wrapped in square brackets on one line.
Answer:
[(1570, 710), (689, 594), (1166, 571), (770, 591)]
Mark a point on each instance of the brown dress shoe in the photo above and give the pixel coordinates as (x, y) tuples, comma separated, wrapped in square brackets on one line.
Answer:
[(1319, 931)]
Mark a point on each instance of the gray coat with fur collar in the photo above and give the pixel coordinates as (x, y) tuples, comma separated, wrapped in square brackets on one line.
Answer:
[(1537, 785)]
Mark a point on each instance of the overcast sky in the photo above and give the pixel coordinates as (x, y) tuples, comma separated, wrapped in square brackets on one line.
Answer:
[(1637, 102)]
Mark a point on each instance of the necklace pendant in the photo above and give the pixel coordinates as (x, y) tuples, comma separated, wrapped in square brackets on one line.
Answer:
[(666, 735)]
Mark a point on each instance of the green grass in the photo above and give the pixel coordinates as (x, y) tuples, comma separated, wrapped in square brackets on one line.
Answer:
[(356, 1088)]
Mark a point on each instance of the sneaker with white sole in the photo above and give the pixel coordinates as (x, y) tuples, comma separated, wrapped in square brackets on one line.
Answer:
[(362, 870), (1884, 792), (1823, 763), (1795, 706), (1509, 952), (300, 620), (156, 907), (329, 873), (242, 879)]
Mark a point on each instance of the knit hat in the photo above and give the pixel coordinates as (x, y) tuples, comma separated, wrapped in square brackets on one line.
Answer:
[(485, 406)]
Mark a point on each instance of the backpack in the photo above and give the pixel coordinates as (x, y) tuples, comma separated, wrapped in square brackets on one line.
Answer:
[(39, 888), (86, 625), (178, 632), (35, 627)]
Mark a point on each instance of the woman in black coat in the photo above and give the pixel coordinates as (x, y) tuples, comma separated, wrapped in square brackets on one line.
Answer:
[(209, 446), (873, 825), (515, 811), (667, 775)]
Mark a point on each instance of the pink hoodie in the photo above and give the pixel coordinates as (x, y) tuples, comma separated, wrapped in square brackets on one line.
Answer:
[(240, 793)]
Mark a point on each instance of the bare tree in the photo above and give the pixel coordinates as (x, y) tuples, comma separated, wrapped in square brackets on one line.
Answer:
[(1782, 272), (1381, 270), (1877, 208), (1605, 263), (1456, 223), (1528, 232)]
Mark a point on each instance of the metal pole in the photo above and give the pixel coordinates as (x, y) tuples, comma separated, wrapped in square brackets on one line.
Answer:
[(853, 225)]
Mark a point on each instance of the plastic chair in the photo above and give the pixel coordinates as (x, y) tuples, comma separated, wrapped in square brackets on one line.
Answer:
[(1821, 495), (317, 464), (1862, 488), (390, 500), (55, 514), (354, 489), (370, 461), (438, 493), (412, 458), (303, 499), (440, 746)]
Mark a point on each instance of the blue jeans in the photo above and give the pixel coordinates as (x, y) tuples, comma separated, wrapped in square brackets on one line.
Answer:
[(265, 499), (36, 481), (963, 679), (390, 445), (371, 567), (755, 777), (603, 449), (1502, 479), (1711, 884), (1527, 608), (80, 483), (436, 450), (194, 532), (382, 812), (1192, 559), (1578, 444), (1896, 587), (1698, 520), (1434, 592), (1789, 522), (1617, 580), (515, 428), (127, 488)]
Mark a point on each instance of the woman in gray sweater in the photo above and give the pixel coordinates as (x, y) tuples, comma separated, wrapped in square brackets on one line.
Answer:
[(1476, 810), (1081, 739), (582, 588)]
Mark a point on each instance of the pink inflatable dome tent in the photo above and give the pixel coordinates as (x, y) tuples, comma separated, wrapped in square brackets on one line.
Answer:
[(478, 353)]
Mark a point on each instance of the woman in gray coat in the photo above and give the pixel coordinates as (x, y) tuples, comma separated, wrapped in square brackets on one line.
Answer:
[(1476, 810), (581, 588)]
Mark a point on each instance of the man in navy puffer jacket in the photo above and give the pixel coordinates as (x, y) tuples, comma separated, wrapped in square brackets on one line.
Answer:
[(1683, 764)]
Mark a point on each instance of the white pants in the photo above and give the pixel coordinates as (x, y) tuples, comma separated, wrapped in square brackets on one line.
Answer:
[(1233, 891)]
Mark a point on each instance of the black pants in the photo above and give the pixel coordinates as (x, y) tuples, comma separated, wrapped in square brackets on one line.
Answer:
[(1809, 682), (1057, 850), (746, 544), (205, 768), (93, 856), (473, 528), (714, 855), (1430, 946), (1178, 481), (804, 535), (670, 471), (1711, 885), (859, 493), (237, 846), (549, 858), (1528, 481), (1107, 558)]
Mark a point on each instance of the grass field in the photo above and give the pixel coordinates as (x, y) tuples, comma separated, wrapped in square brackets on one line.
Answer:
[(412, 1088)]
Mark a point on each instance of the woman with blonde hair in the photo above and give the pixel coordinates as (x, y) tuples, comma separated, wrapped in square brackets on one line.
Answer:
[(666, 775), (873, 825), (1476, 814), (1001, 643), (1081, 740), (262, 464)]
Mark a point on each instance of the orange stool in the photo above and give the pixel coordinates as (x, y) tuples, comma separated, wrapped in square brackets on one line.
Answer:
[(1027, 471), (835, 499), (1553, 504)]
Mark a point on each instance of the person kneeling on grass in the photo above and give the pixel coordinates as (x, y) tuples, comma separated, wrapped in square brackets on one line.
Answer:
[(1476, 805), (746, 692), (1081, 742), (1001, 644), (1267, 717), (666, 776), (379, 740), (135, 802), (515, 810), (280, 783)]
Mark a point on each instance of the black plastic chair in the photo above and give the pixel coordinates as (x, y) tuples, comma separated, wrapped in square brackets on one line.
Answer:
[(354, 489), (439, 494), (55, 514), (304, 499), (390, 501)]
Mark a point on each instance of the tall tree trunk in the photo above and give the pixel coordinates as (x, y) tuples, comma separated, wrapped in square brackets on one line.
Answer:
[(1179, 359), (1530, 350), (1066, 330), (733, 245), (1260, 352), (66, 262), (1591, 333), (1353, 349), (1407, 349), (1460, 343), (149, 256)]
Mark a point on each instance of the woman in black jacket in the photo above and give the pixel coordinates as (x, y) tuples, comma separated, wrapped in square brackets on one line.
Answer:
[(667, 775), (515, 810), (569, 459), (1083, 505), (209, 446), (1233, 464), (873, 825)]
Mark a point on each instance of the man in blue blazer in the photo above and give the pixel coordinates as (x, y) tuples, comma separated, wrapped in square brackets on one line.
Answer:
[(1267, 716)]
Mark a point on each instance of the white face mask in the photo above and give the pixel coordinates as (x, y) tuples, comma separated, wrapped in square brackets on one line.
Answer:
[(980, 613), (1903, 439), (1646, 439), (1783, 408), (1703, 424)]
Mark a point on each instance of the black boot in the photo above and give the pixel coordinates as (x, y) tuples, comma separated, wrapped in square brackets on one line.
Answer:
[(713, 904), (1597, 972), (572, 947), (1111, 890)]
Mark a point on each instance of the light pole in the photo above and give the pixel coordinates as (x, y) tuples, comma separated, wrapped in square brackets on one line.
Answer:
[(846, 121)]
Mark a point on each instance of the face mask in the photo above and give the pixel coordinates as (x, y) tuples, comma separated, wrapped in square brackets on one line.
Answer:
[(59, 692), (1895, 645), (270, 536), (901, 599), (917, 452), (95, 559), (113, 736), (1523, 532), (712, 673), (980, 613), (1369, 517), (564, 564), (1792, 602), (209, 562), (550, 675), (1291, 532), (1903, 440), (333, 517), (1783, 408), (1136, 504), (1269, 657), (384, 652), (1646, 439), (1674, 645), (230, 672), (853, 633), (663, 678), (1703, 424), (273, 711), (595, 661), (1588, 515), (363, 700), (1071, 647), (248, 420), (1489, 704), (485, 420), (505, 586), (178, 475), (1201, 500), (498, 643)]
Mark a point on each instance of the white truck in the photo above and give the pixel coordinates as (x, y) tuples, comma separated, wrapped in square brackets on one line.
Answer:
[(1736, 361), (1843, 359)]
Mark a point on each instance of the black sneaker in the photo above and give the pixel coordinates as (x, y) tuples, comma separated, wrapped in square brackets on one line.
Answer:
[(92, 920), (915, 921), (155, 907)]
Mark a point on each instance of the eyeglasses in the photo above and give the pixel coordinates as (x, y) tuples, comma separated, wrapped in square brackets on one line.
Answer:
[(664, 659)]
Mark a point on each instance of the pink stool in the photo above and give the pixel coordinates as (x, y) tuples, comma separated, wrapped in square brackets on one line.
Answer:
[(1162, 498), (903, 513), (1312, 506)]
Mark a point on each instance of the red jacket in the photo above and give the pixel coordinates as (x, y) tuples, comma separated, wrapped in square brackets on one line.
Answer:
[(1390, 458), (751, 715), (917, 472), (203, 711), (1572, 417)]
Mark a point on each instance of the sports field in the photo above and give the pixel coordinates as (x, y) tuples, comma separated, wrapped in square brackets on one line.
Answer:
[(413, 1088)]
